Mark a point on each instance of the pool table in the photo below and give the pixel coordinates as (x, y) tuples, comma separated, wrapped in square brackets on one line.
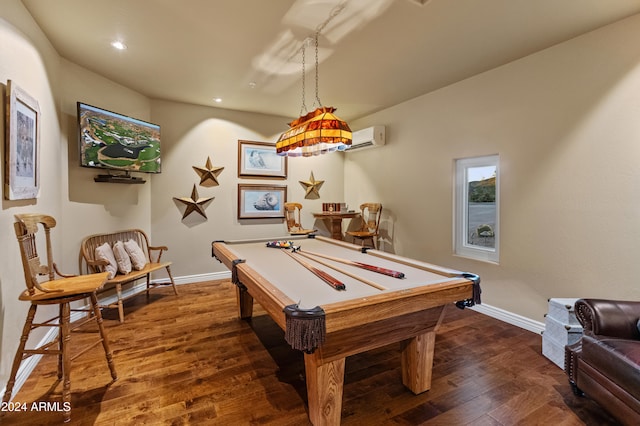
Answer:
[(329, 324)]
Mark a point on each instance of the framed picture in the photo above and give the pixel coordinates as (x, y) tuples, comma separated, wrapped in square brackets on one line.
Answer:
[(261, 201), (22, 145), (259, 160)]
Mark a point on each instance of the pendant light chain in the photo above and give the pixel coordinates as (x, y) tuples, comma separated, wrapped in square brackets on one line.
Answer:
[(334, 12), (304, 106), (317, 91)]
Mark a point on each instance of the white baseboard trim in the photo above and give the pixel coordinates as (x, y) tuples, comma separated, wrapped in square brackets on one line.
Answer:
[(510, 318), (191, 279), (30, 364)]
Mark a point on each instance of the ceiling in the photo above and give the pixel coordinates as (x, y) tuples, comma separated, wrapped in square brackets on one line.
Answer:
[(373, 54)]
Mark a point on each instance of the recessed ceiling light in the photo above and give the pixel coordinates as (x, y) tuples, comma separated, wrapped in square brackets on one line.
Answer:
[(119, 45), (217, 100)]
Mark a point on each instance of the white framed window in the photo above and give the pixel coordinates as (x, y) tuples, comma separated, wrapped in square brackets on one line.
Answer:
[(476, 208)]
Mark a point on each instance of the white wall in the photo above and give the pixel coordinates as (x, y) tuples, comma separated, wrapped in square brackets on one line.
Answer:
[(565, 123)]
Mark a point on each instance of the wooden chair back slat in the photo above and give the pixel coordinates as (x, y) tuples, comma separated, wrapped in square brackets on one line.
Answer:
[(26, 228), (292, 212), (292, 218), (371, 213)]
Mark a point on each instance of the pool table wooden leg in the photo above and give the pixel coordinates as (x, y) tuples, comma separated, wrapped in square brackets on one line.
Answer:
[(417, 361), (245, 303), (324, 389)]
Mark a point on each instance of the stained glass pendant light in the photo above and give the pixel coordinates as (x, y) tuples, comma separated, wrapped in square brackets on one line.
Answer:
[(317, 132)]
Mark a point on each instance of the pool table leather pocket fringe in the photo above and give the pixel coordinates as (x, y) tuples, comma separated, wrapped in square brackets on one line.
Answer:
[(305, 328)]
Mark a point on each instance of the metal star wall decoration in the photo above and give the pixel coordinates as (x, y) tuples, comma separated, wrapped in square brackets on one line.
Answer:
[(312, 187), (194, 204), (208, 174)]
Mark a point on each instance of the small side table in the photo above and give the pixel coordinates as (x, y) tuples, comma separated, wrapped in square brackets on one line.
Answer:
[(334, 221)]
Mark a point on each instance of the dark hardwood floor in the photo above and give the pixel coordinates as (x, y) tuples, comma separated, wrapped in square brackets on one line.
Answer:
[(188, 360)]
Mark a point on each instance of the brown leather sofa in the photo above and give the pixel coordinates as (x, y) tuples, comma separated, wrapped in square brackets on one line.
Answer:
[(605, 363)]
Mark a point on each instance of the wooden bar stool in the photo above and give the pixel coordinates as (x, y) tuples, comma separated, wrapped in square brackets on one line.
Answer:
[(62, 292)]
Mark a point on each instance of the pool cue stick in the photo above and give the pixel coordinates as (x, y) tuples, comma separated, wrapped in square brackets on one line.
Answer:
[(336, 284), (420, 265), (373, 268), (342, 271)]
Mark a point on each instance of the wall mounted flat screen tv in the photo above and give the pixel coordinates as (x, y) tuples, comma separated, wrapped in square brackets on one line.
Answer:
[(116, 142)]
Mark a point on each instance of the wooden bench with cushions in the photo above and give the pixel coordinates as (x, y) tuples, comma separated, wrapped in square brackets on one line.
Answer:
[(127, 256)]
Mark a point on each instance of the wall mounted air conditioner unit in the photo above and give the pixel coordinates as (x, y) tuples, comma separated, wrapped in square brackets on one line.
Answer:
[(367, 138)]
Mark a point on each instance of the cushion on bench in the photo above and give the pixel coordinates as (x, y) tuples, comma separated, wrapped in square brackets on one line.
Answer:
[(105, 252), (138, 259), (122, 258)]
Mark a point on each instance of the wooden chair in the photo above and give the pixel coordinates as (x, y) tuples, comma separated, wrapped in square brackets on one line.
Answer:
[(51, 291), (292, 214), (370, 213)]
